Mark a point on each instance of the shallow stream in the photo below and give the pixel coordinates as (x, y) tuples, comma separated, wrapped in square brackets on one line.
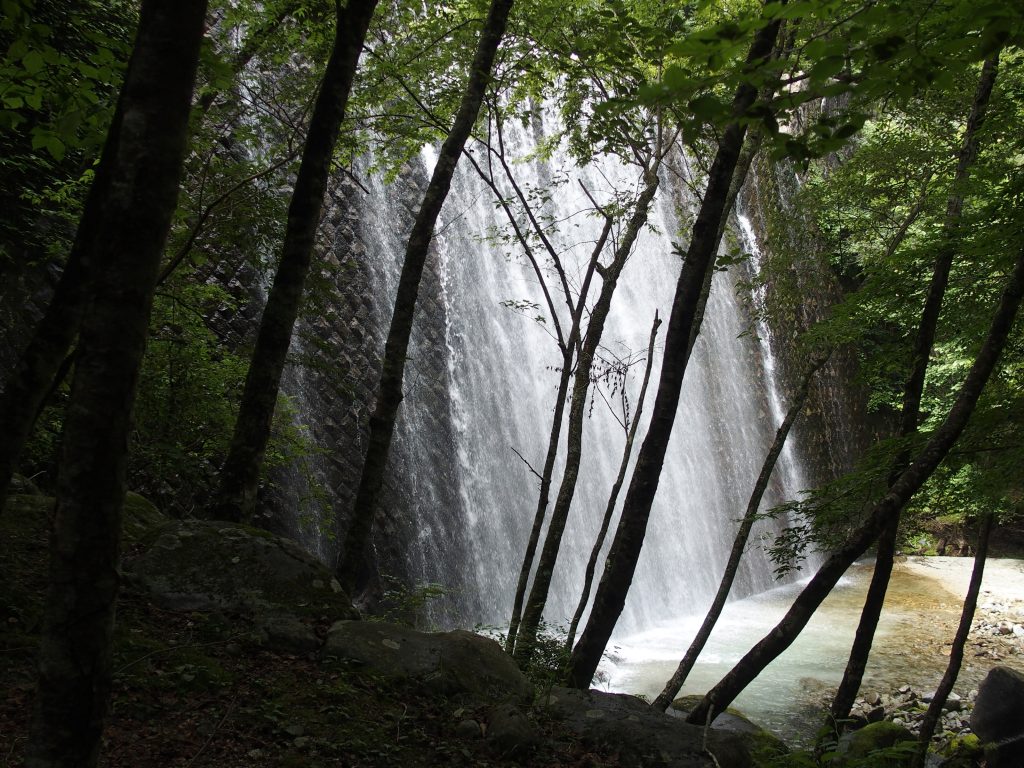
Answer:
[(911, 646)]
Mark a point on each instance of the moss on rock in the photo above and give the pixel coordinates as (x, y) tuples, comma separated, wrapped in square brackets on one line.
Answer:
[(194, 565)]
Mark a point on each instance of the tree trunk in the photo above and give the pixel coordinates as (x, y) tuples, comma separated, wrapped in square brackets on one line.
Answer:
[(956, 653), (568, 350), (739, 543), (120, 244), (912, 392), (577, 413), (613, 496), (239, 479), (621, 563), (782, 636), (351, 567)]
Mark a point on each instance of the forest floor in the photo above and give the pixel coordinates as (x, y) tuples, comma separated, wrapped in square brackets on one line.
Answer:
[(192, 690)]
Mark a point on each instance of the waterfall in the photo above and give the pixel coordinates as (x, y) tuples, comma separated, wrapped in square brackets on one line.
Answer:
[(502, 368), (481, 379)]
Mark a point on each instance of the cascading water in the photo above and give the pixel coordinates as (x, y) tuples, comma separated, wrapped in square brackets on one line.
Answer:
[(481, 381), (503, 381)]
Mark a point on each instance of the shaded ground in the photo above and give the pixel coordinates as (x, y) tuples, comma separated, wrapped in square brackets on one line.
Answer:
[(194, 689)]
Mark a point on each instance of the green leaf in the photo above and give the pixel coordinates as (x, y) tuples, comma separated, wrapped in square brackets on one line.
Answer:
[(55, 147), (706, 107), (33, 62), (828, 67)]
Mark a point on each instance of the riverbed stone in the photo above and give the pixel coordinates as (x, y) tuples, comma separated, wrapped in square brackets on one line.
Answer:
[(457, 663), (999, 709)]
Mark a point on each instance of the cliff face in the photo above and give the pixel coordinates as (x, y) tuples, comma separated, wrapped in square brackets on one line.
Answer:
[(332, 381), (833, 430)]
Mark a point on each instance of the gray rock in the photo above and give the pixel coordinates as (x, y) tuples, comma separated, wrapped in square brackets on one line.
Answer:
[(730, 720), (469, 730), (1008, 753), (510, 733), (195, 565), (286, 634), (999, 709), (455, 663), (642, 737)]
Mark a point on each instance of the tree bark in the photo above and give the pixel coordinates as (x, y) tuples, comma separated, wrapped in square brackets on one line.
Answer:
[(613, 496), (912, 392), (352, 566), (956, 653), (739, 544), (120, 244), (622, 558), (239, 478), (782, 636)]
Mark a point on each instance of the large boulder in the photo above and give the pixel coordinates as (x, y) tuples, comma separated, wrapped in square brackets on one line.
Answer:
[(195, 565), (642, 737), (999, 709), (455, 663), (510, 733)]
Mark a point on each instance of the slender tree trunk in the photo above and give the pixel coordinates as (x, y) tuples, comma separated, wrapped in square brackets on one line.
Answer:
[(621, 563), (912, 392), (956, 653), (351, 566), (577, 413), (739, 543), (751, 146), (613, 496), (568, 349), (846, 693), (136, 190), (239, 478), (786, 631)]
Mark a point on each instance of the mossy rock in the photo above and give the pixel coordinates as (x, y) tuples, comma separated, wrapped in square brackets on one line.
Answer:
[(764, 745), (194, 565), (876, 744), (458, 663), (140, 516), (965, 751)]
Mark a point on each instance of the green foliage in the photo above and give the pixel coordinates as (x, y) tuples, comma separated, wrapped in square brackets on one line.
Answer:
[(60, 69), (546, 666), (185, 409), (408, 605)]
